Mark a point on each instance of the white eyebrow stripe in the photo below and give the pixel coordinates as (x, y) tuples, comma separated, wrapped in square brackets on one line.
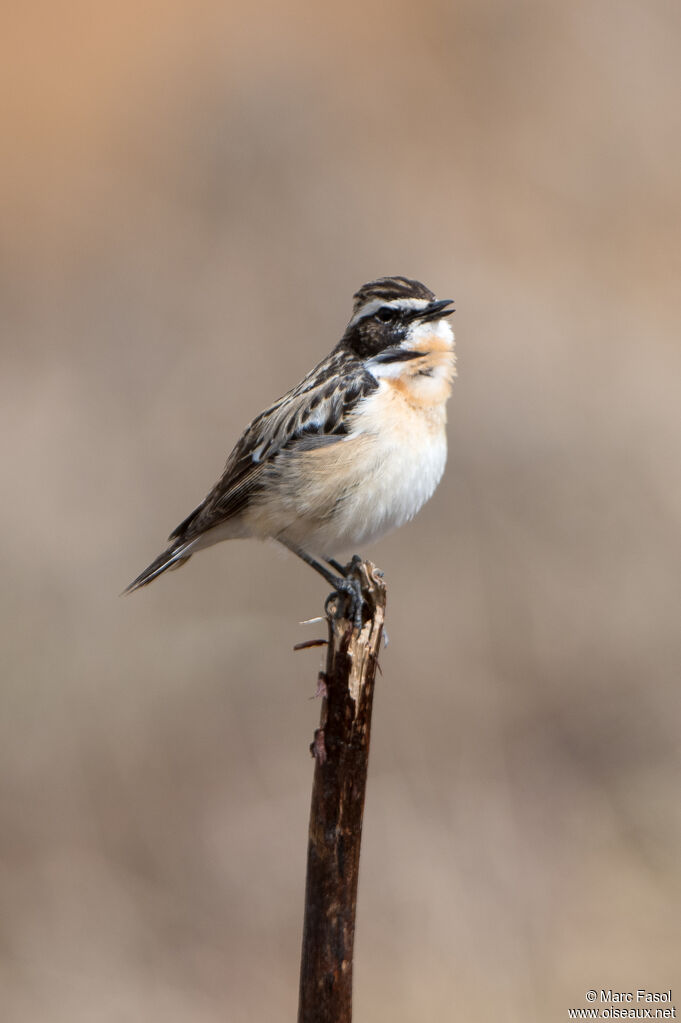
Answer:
[(374, 304)]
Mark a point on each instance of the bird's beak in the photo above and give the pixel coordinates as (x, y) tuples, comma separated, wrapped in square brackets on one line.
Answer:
[(436, 310)]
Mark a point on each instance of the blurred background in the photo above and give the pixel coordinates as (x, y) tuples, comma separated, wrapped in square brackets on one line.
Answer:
[(190, 195)]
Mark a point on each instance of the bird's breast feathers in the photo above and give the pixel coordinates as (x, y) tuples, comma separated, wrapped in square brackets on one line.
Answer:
[(354, 450), (377, 476)]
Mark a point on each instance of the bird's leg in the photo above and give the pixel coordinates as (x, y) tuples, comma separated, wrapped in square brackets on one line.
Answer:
[(347, 586), (345, 570), (341, 569)]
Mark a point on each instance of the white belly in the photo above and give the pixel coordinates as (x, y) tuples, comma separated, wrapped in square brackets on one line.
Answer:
[(377, 479), (337, 497), (399, 482)]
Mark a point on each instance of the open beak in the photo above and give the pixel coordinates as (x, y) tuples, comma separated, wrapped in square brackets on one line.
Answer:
[(436, 310)]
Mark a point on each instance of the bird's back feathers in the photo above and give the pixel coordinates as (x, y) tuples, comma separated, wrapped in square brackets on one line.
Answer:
[(355, 448), (309, 416)]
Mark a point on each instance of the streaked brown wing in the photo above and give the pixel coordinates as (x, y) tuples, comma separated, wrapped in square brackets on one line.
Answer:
[(311, 415)]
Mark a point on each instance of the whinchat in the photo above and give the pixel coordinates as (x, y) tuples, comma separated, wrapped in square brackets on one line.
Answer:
[(352, 452)]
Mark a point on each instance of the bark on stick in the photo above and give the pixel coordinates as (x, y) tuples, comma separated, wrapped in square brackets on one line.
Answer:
[(341, 751)]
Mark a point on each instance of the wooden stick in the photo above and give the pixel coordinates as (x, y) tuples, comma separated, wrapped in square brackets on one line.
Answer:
[(341, 751)]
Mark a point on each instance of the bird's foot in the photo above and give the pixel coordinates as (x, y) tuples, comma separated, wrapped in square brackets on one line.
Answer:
[(345, 570), (350, 588)]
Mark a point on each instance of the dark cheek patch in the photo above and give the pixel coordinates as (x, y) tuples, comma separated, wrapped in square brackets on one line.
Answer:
[(369, 338)]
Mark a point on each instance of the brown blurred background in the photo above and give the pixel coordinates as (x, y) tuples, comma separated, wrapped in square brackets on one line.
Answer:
[(190, 195)]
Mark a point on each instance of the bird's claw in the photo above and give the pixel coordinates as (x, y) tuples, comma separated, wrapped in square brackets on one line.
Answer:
[(351, 589)]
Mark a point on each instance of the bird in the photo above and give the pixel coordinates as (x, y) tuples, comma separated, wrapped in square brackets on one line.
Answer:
[(350, 453)]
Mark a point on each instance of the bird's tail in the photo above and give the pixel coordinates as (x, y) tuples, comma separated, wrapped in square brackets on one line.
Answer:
[(173, 557)]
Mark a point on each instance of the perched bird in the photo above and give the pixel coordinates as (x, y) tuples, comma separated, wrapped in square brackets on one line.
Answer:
[(352, 452)]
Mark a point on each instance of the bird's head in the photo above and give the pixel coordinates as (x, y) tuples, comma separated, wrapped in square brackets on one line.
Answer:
[(396, 319)]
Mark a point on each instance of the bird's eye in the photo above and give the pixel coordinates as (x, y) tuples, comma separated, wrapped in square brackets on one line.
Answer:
[(386, 314)]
